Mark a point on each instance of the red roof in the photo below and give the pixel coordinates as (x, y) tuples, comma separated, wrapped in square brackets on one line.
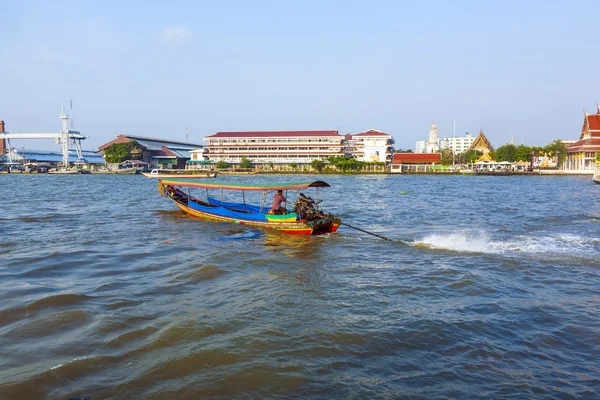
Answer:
[(119, 139), (372, 132), (413, 158), (588, 145), (273, 134), (270, 145), (594, 124), (164, 151)]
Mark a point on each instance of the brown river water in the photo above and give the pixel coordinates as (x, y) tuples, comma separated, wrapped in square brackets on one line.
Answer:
[(489, 289)]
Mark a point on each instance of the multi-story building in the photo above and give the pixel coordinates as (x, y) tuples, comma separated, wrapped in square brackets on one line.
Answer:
[(277, 147), (372, 146), (457, 144)]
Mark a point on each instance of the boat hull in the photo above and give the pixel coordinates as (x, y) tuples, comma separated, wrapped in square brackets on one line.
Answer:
[(166, 176), (315, 227), (127, 171)]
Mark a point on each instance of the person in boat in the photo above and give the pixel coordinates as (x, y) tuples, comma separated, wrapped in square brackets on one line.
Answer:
[(277, 200)]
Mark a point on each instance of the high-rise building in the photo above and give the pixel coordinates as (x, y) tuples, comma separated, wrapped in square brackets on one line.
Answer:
[(457, 144)]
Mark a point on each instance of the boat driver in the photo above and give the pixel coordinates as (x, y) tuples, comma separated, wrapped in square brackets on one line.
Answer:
[(277, 200)]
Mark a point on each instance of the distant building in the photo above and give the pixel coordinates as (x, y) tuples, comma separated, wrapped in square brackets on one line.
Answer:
[(421, 146), (432, 145), (277, 147), (481, 144), (372, 146), (414, 162), (458, 144), (22, 156), (581, 155), (158, 152), (2, 142), (434, 139)]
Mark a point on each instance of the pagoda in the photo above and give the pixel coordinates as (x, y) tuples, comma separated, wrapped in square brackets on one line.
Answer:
[(481, 144), (581, 155)]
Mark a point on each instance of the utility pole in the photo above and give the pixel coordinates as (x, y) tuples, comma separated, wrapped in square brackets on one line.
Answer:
[(454, 144)]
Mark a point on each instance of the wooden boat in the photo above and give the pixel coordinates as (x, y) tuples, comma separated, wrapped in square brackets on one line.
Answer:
[(306, 218), (178, 173)]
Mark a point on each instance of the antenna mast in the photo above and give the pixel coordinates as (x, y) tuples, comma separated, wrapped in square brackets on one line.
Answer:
[(64, 140)]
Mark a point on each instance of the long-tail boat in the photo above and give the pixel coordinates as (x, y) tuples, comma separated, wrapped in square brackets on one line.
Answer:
[(179, 173), (306, 218)]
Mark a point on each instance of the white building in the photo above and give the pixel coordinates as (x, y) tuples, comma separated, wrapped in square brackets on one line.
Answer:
[(372, 146), (277, 147), (457, 144), (434, 139), (432, 145), (421, 146)]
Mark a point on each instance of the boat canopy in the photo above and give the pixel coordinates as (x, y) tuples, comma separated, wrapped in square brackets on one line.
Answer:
[(275, 186)]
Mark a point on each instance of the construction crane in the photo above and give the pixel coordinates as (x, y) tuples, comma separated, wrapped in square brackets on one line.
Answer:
[(61, 137)]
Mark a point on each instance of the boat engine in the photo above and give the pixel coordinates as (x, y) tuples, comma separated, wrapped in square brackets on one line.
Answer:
[(306, 208)]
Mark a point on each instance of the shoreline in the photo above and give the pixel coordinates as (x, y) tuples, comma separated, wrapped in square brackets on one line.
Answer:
[(466, 173)]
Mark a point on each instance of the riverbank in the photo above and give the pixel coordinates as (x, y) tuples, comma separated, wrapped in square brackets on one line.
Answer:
[(386, 172)]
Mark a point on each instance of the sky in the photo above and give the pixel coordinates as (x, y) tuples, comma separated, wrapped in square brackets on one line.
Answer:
[(152, 68)]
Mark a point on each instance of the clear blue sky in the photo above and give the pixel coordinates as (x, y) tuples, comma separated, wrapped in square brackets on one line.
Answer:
[(152, 68)]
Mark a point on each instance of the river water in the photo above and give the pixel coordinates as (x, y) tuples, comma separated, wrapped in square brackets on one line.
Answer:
[(490, 289)]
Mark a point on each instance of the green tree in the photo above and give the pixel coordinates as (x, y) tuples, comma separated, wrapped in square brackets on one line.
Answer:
[(523, 153), (246, 163), (294, 165), (318, 165), (119, 152), (598, 157), (222, 165), (270, 164), (557, 147), (470, 156), (505, 153), (447, 157)]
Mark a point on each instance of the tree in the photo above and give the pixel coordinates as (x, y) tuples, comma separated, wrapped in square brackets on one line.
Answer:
[(317, 165), (556, 147), (598, 157), (469, 156), (294, 165), (505, 153), (119, 152), (447, 157), (222, 165), (245, 163), (523, 153)]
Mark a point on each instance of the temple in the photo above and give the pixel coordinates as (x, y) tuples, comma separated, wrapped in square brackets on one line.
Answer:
[(581, 155), (482, 144)]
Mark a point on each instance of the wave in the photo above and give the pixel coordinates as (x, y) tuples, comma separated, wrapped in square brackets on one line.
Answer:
[(542, 245)]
